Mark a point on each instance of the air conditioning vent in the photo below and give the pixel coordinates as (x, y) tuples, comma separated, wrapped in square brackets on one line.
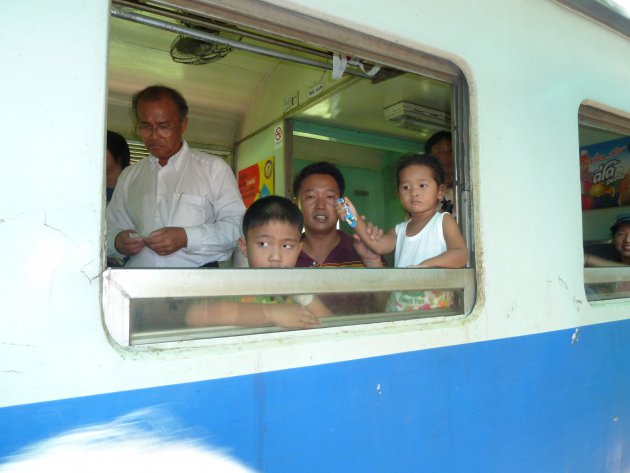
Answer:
[(417, 117)]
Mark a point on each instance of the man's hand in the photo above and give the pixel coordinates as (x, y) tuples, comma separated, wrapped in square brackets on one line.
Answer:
[(167, 240), (129, 243)]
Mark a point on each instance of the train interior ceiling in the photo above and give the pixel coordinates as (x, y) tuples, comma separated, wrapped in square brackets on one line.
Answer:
[(234, 93), (362, 123)]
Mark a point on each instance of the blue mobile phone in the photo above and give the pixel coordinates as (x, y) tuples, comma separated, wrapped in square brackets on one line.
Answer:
[(349, 218)]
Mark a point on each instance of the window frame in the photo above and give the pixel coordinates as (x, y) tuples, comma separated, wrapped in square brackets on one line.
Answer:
[(596, 115), (601, 13), (121, 286)]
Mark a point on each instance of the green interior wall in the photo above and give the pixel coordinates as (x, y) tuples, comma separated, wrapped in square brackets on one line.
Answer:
[(373, 191), (596, 223)]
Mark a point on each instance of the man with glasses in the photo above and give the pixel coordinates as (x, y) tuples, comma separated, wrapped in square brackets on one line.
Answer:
[(178, 207)]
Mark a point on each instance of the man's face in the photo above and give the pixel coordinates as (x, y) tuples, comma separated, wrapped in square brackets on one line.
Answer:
[(443, 150), (272, 245), (621, 239), (316, 198), (160, 127)]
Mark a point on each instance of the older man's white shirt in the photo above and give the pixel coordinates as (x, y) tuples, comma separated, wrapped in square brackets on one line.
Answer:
[(195, 190)]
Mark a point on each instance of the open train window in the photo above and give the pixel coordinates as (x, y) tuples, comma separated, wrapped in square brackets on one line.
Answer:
[(272, 98), (604, 158)]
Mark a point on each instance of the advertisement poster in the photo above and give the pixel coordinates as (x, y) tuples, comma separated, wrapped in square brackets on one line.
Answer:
[(256, 181), (605, 174)]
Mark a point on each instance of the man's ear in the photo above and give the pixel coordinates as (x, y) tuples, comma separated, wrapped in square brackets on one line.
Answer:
[(183, 124), (242, 244)]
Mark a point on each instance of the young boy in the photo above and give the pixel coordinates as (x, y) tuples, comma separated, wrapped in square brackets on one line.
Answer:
[(272, 229)]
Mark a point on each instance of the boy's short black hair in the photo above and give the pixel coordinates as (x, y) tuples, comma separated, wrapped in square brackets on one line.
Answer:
[(322, 167), (272, 208), (422, 160), (436, 138)]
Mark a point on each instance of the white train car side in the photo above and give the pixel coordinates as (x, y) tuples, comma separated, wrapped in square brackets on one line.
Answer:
[(533, 377)]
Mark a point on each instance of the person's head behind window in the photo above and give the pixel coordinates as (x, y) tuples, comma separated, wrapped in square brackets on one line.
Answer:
[(153, 93), (422, 160), (118, 147), (440, 145), (414, 174), (271, 208), (117, 158), (441, 137), (316, 188), (322, 167), (621, 237), (161, 114), (272, 228)]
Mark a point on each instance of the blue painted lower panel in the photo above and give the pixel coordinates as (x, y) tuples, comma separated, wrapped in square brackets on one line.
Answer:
[(536, 403)]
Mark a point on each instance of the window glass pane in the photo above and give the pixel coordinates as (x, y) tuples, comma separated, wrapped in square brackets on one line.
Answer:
[(144, 306), (169, 319)]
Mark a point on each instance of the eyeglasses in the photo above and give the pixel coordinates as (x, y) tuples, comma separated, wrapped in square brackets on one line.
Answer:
[(162, 129)]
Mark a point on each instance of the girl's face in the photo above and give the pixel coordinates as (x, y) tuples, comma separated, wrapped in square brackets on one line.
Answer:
[(418, 190)]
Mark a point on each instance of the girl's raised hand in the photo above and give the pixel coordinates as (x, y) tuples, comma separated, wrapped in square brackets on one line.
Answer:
[(373, 232)]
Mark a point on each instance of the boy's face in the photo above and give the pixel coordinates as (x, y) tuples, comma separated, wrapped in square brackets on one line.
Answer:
[(272, 245)]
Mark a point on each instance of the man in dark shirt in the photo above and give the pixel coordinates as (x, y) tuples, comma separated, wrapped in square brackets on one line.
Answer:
[(316, 188)]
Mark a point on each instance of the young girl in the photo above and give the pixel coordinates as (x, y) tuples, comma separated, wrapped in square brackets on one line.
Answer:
[(428, 239)]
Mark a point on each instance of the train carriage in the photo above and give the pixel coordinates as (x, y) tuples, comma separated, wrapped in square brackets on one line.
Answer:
[(527, 372)]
